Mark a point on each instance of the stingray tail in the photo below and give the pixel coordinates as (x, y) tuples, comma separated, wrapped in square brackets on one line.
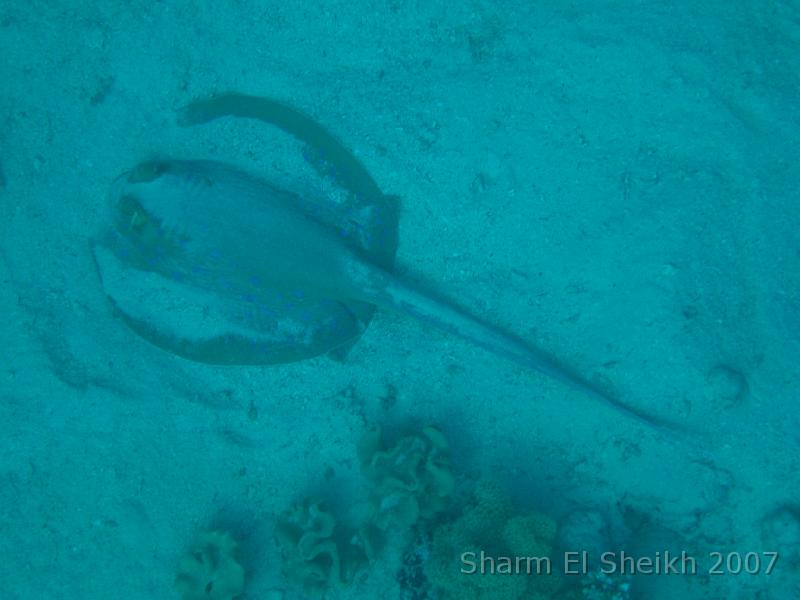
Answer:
[(391, 293)]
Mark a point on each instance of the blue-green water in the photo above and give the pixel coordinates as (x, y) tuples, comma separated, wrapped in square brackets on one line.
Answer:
[(614, 182)]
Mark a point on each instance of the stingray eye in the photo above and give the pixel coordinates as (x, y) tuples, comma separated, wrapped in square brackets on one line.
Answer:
[(131, 215), (148, 171)]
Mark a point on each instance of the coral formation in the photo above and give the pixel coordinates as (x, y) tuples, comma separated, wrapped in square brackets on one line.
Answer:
[(317, 553), (411, 480), (210, 570), (598, 585), (411, 579), (488, 524), (411, 485)]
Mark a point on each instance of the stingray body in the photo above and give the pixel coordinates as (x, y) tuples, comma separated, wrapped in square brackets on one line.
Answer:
[(219, 266)]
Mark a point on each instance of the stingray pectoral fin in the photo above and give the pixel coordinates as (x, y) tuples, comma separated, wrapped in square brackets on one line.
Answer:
[(203, 326), (350, 171)]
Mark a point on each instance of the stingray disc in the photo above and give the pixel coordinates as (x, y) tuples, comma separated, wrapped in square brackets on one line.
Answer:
[(184, 267)]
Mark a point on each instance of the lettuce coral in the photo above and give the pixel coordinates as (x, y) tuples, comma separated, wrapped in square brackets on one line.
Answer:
[(411, 479), (317, 554), (210, 570)]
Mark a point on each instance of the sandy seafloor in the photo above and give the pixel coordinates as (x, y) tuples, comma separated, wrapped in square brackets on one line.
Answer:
[(614, 180)]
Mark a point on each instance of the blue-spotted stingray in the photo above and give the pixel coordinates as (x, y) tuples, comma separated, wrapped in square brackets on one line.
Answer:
[(219, 266)]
